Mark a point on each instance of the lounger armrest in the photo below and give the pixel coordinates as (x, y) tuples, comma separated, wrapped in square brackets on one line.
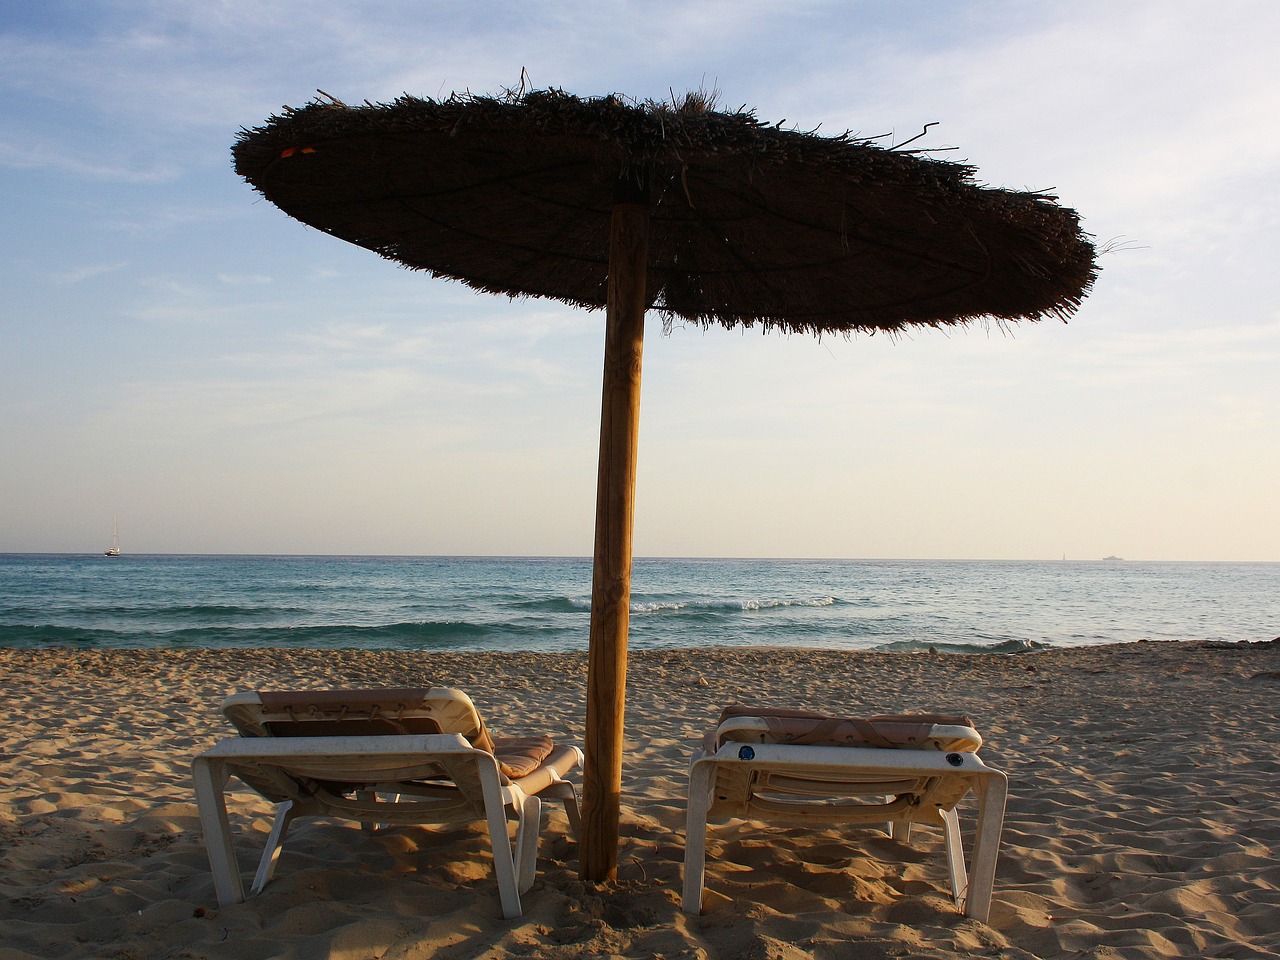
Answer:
[(965, 738)]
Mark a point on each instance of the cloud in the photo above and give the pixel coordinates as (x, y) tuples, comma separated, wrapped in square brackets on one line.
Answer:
[(1179, 356), (245, 279), (57, 155), (88, 272)]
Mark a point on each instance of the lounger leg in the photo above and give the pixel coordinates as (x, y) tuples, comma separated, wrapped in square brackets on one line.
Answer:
[(992, 790), (367, 826), (504, 866), (897, 829), (373, 826), (275, 840), (564, 791), (210, 778), (955, 857), (527, 835), (695, 836)]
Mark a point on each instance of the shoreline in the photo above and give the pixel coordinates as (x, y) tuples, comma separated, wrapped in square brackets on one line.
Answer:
[(1143, 790)]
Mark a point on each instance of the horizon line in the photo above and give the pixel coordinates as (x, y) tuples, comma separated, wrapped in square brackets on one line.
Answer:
[(587, 558)]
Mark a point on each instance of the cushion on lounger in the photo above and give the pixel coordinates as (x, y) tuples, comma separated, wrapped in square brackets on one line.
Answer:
[(519, 756)]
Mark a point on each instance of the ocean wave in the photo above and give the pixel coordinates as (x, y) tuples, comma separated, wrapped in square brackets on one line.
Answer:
[(704, 607), (446, 635), (207, 611), (407, 634), (752, 605), (553, 605), (160, 612), (683, 606), (42, 635), (952, 646)]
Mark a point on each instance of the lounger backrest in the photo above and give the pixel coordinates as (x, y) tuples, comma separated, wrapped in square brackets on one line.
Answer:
[(328, 713), (324, 713), (743, 724)]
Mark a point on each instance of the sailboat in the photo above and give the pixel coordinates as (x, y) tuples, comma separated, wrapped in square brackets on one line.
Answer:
[(114, 550)]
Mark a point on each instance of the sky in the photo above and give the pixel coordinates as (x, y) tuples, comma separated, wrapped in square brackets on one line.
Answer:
[(178, 353)]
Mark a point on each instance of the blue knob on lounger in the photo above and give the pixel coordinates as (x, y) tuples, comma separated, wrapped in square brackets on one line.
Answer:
[(746, 753), (955, 759)]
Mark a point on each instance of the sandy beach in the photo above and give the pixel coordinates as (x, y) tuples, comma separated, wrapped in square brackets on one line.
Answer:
[(1142, 819)]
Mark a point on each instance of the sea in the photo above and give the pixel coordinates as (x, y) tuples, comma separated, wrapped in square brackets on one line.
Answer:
[(543, 604)]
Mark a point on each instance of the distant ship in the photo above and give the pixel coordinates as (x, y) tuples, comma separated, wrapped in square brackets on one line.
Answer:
[(1113, 557), (114, 550)]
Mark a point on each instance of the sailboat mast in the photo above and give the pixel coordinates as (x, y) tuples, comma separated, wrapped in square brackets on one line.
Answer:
[(115, 536)]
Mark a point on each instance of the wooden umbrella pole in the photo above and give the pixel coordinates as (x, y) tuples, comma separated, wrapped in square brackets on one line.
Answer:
[(615, 509)]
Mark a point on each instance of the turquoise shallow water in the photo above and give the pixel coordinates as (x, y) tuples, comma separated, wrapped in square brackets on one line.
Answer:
[(453, 603)]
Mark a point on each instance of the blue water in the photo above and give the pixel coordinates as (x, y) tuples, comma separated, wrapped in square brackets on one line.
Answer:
[(452, 603)]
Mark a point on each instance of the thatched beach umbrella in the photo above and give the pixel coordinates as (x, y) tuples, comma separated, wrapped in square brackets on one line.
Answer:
[(702, 215)]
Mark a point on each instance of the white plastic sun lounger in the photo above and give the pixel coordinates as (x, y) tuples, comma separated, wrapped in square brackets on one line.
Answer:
[(406, 756), (792, 766)]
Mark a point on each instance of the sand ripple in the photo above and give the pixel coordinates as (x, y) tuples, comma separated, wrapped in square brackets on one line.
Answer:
[(1142, 816)]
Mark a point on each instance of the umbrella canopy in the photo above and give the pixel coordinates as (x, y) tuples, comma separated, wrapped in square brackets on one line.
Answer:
[(702, 215), (749, 223)]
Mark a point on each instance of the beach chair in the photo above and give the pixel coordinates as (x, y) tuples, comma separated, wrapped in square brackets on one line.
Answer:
[(402, 756), (793, 766)]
